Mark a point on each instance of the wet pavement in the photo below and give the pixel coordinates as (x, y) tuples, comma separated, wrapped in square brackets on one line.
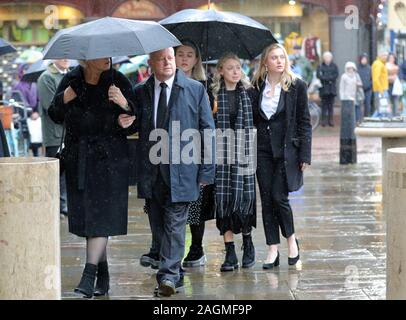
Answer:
[(338, 220)]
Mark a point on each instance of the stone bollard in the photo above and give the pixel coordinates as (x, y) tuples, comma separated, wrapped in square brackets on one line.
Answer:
[(30, 266), (394, 210)]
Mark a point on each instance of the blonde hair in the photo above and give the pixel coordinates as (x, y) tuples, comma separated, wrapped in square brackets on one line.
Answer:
[(198, 72), (218, 77), (288, 77)]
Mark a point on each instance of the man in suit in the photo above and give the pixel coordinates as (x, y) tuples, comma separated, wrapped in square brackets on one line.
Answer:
[(170, 102)]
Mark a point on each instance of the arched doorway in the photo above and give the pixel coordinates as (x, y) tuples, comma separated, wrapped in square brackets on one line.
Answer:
[(139, 10)]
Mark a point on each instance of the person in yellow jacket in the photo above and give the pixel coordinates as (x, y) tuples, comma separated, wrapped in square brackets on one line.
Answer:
[(380, 79)]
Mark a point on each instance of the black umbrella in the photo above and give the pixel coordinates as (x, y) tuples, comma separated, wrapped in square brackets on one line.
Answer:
[(109, 37), (37, 68), (6, 47), (218, 32)]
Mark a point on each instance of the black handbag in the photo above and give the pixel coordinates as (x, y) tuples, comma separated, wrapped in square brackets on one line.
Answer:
[(60, 153)]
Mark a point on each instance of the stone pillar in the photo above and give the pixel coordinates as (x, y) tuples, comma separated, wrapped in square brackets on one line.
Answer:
[(394, 211), (388, 143), (30, 264)]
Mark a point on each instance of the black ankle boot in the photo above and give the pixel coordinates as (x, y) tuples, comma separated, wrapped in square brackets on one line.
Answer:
[(231, 261), (86, 284), (195, 257), (248, 258), (103, 279)]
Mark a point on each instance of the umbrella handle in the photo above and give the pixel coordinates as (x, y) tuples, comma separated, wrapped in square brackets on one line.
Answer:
[(111, 71)]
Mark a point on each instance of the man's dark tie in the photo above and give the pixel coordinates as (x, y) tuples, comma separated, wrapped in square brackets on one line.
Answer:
[(162, 106)]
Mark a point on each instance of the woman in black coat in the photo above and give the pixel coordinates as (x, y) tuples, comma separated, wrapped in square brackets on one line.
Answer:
[(284, 131), (88, 102), (327, 72)]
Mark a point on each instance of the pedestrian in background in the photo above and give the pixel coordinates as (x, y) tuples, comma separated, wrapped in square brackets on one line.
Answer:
[(380, 83), (4, 152), (188, 59), (348, 95), (52, 132), (327, 72), (395, 90), (365, 72), (282, 119), (35, 131)]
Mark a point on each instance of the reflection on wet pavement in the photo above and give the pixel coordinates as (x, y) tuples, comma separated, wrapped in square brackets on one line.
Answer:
[(339, 222)]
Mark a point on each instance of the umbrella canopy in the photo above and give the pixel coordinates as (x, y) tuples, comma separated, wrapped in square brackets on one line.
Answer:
[(37, 68), (216, 33), (109, 37), (6, 47)]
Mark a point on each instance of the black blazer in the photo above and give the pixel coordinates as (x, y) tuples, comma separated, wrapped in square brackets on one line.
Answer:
[(298, 133)]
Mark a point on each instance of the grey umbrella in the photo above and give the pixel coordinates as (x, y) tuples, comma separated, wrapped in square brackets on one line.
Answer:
[(217, 32), (109, 37), (6, 47)]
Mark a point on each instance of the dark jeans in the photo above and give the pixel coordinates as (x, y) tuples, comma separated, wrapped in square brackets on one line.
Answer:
[(327, 110), (50, 152), (368, 103), (35, 148), (276, 210), (168, 226)]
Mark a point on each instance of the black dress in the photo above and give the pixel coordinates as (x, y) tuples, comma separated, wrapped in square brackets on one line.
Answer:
[(235, 223), (96, 155)]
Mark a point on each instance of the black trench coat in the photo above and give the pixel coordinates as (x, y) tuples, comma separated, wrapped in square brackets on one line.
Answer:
[(298, 134), (95, 154)]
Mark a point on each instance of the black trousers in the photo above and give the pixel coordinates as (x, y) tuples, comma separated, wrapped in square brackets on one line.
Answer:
[(50, 152), (168, 227), (276, 209), (327, 110)]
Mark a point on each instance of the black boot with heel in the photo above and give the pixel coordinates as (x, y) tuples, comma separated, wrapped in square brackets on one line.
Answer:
[(231, 260), (103, 279), (86, 284), (248, 258)]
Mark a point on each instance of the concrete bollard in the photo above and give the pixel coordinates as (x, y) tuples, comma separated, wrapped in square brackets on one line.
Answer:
[(394, 210), (29, 229)]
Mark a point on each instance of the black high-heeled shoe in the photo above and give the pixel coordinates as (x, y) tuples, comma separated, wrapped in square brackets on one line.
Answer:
[(293, 261), (267, 266)]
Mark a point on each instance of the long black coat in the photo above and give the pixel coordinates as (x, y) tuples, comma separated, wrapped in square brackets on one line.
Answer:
[(328, 75), (298, 135), (96, 155), (3, 143)]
